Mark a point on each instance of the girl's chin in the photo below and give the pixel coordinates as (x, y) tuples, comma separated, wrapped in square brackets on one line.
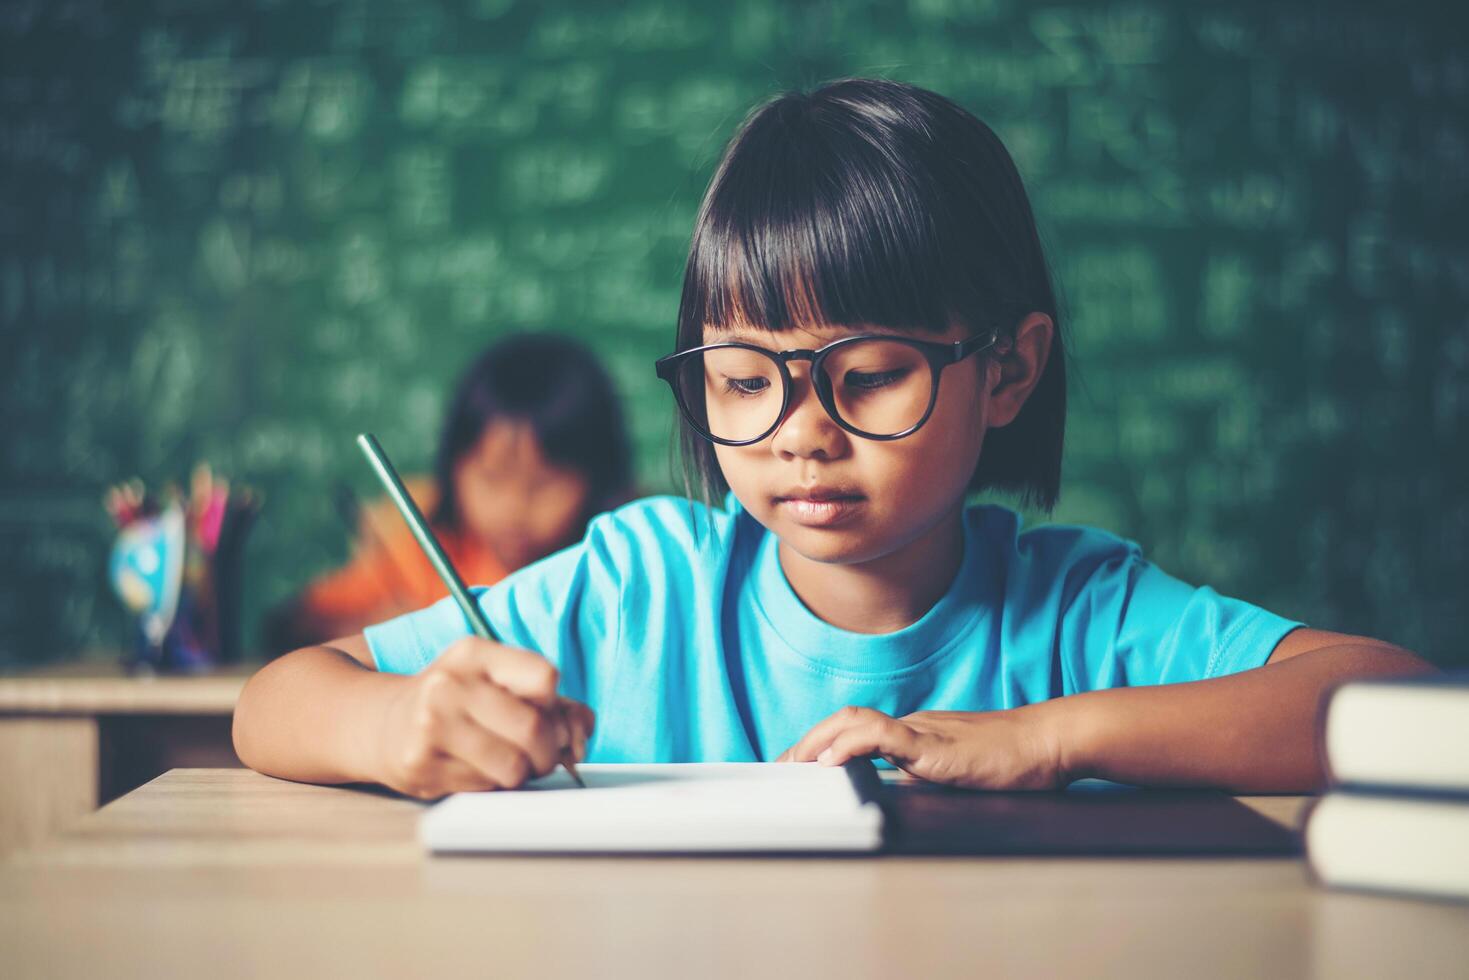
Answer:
[(829, 546)]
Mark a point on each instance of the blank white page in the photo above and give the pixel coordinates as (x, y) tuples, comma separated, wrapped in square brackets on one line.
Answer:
[(721, 806)]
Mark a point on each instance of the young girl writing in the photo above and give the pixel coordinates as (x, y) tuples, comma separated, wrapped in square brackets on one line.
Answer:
[(867, 334)]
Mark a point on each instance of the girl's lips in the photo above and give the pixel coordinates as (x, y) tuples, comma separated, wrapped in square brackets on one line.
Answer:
[(819, 513)]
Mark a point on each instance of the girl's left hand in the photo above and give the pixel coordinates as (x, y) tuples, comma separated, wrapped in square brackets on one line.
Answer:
[(1012, 749)]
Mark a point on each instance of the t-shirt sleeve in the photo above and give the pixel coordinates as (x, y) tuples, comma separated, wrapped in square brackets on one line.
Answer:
[(564, 607), (1131, 624)]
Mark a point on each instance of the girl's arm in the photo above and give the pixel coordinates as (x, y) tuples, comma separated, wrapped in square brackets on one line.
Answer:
[(481, 716), (1255, 731), (315, 715)]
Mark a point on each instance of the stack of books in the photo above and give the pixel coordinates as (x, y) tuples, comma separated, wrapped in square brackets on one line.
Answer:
[(1397, 815)]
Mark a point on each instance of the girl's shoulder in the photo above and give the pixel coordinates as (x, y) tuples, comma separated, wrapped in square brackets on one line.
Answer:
[(1053, 547), (668, 514), (668, 530), (1049, 566)]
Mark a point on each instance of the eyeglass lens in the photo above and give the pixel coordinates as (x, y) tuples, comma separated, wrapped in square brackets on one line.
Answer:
[(878, 387)]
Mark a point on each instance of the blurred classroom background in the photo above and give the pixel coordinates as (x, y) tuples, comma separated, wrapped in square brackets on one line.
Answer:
[(243, 232)]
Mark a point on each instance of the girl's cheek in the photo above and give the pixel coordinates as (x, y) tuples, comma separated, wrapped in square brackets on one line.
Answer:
[(737, 470)]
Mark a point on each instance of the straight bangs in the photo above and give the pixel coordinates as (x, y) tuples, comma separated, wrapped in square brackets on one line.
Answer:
[(811, 221)]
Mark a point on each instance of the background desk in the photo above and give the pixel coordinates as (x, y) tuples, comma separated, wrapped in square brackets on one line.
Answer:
[(230, 873), (75, 736)]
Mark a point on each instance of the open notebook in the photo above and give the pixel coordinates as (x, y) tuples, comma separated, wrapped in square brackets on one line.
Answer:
[(676, 807)]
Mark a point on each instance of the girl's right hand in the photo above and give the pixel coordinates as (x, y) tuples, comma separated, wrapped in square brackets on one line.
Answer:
[(482, 716)]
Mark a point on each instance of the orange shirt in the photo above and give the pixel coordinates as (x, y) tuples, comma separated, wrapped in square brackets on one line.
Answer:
[(388, 573)]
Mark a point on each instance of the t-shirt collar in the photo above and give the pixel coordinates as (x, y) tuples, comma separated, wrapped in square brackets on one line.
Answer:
[(838, 651)]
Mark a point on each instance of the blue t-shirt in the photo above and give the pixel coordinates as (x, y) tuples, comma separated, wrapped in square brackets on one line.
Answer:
[(676, 624)]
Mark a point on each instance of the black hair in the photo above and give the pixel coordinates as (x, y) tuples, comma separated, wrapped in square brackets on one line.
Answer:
[(869, 201), (559, 388)]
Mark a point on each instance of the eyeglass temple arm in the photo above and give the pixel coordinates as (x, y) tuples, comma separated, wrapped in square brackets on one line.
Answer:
[(978, 342)]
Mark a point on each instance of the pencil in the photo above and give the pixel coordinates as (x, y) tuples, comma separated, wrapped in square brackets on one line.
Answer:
[(436, 556)]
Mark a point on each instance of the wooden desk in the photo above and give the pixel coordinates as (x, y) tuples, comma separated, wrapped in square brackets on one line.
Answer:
[(84, 733), (229, 873)]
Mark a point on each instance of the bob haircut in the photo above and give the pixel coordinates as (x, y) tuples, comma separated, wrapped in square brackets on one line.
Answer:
[(557, 386), (872, 202)]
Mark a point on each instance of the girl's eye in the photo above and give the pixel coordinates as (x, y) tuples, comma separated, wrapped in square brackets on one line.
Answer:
[(746, 386), (872, 380)]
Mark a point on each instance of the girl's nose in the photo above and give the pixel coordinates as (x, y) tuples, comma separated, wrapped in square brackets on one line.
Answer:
[(807, 431)]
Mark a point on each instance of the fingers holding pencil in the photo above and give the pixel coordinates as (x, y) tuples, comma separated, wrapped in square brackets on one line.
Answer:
[(580, 721), (458, 725)]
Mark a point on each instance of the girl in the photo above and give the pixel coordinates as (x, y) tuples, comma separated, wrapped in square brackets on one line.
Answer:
[(867, 334), (532, 448)]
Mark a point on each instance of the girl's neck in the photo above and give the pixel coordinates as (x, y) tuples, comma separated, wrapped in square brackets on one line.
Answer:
[(888, 593)]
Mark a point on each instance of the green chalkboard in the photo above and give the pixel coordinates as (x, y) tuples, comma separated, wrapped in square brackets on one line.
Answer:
[(243, 231)]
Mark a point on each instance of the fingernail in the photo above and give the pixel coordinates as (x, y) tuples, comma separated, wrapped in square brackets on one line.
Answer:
[(825, 757)]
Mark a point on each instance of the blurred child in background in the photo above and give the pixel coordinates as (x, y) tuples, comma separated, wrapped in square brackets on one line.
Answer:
[(533, 446)]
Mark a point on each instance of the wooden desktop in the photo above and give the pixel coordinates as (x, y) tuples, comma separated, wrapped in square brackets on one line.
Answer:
[(230, 873)]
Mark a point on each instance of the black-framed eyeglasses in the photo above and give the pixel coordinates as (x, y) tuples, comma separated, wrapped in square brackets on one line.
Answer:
[(875, 386)]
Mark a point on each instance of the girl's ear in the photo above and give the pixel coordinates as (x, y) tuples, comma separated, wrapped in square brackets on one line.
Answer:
[(1019, 369)]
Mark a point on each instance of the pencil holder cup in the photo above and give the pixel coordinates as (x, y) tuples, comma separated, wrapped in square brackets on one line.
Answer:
[(181, 580)]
